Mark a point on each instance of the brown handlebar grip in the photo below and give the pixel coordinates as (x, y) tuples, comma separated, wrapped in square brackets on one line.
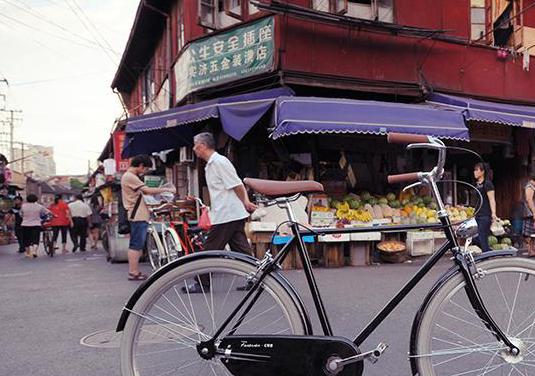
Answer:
[(405, 138), (410, 177)]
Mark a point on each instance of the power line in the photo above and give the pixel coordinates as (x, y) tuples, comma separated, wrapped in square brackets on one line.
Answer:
[(95, 28), (44, 31), (55, 79), (90, 32), (40, 16)]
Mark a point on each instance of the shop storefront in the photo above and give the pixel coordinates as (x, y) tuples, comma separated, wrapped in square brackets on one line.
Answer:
[(274, 134)]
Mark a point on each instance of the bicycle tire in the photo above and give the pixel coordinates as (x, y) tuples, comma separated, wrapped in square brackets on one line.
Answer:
[(48, 245), (172, 244), (154, 250), (145, 351), (452, 340)]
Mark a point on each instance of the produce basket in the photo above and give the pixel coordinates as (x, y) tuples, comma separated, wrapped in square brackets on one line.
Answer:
[(392, 251)]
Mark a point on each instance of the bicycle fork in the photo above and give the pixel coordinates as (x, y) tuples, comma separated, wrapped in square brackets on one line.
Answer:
[(477, 302)]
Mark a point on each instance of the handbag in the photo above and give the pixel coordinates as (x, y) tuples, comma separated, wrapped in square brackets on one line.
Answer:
[(123, 227), (204, 219)]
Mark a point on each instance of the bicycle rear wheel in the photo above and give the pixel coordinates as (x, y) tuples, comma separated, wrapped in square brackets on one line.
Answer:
[(172, 244), (48, 245), (154, 250), (171, 318), (452, 340)]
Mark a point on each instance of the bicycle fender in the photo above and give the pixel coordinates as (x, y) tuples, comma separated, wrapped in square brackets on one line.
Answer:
[(450, 273), (206, 255)]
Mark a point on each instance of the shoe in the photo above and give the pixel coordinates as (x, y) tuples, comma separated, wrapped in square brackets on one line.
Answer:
[(246, 287), (82, 250), (74, 249), (195, 288), (34, 255), (21, 251), (137, 277)]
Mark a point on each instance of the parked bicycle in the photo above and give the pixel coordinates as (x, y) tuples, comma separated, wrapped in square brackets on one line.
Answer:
[(478, 319), (47, 235), (169, 239)]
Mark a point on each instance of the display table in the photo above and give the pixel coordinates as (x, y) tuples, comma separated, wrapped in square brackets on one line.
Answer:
[(329, 248)]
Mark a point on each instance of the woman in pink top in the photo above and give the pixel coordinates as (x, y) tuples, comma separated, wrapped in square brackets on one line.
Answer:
[(31, 213)]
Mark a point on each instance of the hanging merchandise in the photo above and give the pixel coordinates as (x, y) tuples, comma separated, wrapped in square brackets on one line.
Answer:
[(110, 166)]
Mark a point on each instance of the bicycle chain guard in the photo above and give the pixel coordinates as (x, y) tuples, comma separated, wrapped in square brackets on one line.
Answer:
[(268, 355)]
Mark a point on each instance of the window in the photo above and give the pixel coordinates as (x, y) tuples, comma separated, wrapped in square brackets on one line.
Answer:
[(477, 19), (148, 85), (207, 16), (332, 6), (180, 38), (216, 14), (378, 10), (233, 8), (253, 8)]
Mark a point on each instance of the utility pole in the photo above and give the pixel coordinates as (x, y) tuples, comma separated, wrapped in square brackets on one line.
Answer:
[(22, 157), (12, 119)]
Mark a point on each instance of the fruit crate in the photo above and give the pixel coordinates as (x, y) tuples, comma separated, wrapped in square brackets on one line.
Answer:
[(420, 243)]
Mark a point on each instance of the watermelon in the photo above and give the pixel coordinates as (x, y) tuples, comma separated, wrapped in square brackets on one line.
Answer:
[(507, 242), (383, 201), (355, 204), (493, 240), (390, 196), (427, 200), (366, 196)]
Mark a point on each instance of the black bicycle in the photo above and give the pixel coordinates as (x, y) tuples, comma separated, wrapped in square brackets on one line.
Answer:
[(224, 313), (47, 235)]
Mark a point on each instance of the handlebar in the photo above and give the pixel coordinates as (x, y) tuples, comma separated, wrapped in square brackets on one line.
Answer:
[(410, 177), (405, 138)]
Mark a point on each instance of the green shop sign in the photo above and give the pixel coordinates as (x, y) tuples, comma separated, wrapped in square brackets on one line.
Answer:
[(238, 53)]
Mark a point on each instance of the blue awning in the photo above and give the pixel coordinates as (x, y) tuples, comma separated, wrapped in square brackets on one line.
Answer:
[(491, 112), (309, 115), (174, 128)]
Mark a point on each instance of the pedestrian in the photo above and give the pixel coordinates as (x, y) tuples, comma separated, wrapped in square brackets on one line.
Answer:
[(529, 215), (31, 213), (14, 213), (96, 220), (487, 213), (230, 205), (61, 222), (132, 191), (80, 213)]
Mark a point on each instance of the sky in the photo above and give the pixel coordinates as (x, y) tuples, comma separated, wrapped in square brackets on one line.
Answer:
[(60, 57)]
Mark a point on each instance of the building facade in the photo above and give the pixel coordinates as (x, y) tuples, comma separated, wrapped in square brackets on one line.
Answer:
[(35, 159), (185, 52)]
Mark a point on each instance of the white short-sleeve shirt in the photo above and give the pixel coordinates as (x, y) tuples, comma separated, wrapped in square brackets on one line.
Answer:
[(221, 178)]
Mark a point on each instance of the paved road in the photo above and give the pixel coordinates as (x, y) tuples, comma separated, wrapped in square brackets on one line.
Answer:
[(48, 305)]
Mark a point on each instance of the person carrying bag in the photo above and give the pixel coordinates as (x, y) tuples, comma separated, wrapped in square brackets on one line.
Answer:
[(529, 215)]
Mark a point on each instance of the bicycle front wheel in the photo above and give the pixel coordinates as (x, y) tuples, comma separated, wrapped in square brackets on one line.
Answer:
[(177, 312), (452, 340)]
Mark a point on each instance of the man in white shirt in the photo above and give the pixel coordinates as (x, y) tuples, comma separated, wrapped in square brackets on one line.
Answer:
[(230, 204), (80, 213)]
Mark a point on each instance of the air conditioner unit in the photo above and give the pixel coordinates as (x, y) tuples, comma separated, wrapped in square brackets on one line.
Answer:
[(186, 154)]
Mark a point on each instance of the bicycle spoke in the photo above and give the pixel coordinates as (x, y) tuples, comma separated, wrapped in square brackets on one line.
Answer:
[(514, 304), (170, 326), (191, 305), (178, 311)]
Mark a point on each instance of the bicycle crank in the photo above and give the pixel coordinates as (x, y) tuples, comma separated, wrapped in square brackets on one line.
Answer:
[(289, 355)]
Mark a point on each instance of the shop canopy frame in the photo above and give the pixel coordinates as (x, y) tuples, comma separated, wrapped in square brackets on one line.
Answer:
[(313, 115), (488, 112), (174, 128)]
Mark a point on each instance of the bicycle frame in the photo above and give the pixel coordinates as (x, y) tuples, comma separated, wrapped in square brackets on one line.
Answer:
[(460, 259), (451, 245)]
